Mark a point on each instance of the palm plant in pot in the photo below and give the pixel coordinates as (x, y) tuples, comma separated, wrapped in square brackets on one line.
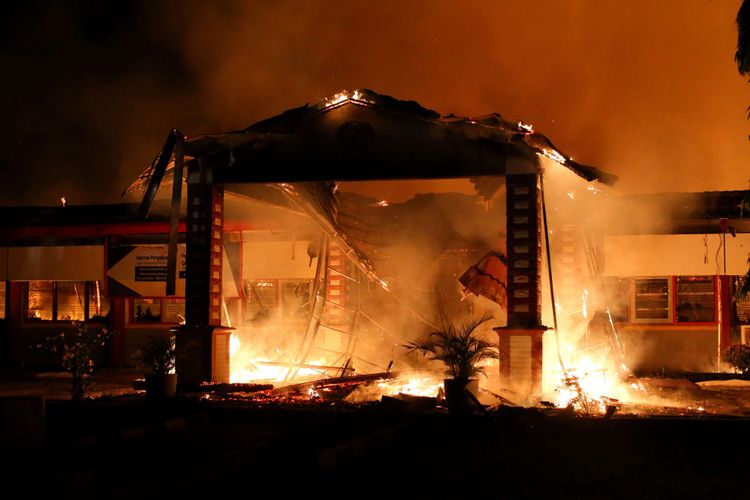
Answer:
[(459, 348), (158, 356)]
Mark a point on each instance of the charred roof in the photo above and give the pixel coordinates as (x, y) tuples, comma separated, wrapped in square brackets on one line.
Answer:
[(362, 135)]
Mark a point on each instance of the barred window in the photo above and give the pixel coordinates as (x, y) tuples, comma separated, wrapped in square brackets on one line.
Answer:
[(695, 299), (651, 299)]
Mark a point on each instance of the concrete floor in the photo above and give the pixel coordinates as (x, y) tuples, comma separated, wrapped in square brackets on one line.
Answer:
[(120, 446)]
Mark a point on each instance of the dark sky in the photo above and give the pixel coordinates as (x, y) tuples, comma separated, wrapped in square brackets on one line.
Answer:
[(645, 89)]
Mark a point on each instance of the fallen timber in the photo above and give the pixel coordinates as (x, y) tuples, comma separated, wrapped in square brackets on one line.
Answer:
[(353, 380)]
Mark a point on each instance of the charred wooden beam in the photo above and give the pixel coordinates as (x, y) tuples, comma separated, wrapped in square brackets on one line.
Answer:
[(157, 173), (303, 365), (333, 382), (174, 219)]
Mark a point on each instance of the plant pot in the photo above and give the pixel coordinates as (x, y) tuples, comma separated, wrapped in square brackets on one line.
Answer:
[(161, 385), (456, 397)]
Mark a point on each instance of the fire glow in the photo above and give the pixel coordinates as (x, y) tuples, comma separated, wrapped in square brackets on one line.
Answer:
[(262, 367)]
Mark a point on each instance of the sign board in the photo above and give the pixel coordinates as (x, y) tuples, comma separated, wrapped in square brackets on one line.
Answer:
[(141, 271)]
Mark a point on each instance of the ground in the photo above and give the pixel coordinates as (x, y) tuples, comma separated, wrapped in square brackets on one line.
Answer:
[(118, 445)]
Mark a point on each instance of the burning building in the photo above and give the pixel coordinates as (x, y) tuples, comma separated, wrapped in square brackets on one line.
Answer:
[(277, 257), (357, 136)]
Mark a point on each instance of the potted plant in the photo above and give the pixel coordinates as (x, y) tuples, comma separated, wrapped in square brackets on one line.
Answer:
[(459, 348), (738, 356), (158, 356)]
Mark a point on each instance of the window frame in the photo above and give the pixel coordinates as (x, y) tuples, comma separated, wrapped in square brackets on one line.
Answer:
[(162, 303), (88, 285), (715, 301), (672, 317), (632, 316)]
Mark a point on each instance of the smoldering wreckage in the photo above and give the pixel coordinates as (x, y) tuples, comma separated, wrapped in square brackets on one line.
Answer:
[(300, 288)]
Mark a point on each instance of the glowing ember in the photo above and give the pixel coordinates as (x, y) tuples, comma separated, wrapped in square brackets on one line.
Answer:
[(419, 384), (553, 155), (415, 386), (257, 367), (337, 99), (583, 391), (526, 127)]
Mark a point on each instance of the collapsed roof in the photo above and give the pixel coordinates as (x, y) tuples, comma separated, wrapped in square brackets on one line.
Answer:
[(363, 135)]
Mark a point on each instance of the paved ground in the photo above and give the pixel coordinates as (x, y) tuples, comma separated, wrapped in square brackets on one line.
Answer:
[(120, 446), (56, 385)]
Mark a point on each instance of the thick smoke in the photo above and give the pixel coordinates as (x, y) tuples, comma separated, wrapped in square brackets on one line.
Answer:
[(647, 90)]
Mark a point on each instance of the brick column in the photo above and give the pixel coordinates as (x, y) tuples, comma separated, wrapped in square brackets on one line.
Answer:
[(202, 343), (524, 246), (520, 341), (521, 359)]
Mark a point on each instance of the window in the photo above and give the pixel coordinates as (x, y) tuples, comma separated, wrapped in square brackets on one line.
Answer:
[(173, 311), (3, 285), (695, 299), (146, 310), (651, 300), (295, 298), (40, 300), (282, 299), (262, 300), (98, 304), (65, 301), (71, 300), (153, 310), (743, 310), (678, 299)]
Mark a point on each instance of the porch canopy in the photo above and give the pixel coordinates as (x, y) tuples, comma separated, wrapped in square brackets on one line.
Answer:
[(295, 159), (361, 135)]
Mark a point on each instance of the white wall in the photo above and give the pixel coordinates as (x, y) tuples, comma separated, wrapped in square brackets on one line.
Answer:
[(55, 263), (276, 259), (674, 254)]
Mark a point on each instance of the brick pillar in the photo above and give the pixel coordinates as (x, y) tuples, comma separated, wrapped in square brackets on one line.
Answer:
[(524, 246), (520, 341), (202, 343), (521, 359), (336, 316)]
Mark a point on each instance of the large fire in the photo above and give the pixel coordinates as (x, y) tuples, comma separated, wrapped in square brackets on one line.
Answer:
[(265, 368), (271, 367)]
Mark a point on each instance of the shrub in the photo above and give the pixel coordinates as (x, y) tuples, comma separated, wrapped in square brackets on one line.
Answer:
[(77, 349), (739, 357)]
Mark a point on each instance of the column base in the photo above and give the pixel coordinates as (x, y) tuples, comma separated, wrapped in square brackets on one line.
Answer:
[(202, 354), (521, 359)]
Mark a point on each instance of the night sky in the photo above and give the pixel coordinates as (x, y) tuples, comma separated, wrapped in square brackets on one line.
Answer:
[(645, 89)]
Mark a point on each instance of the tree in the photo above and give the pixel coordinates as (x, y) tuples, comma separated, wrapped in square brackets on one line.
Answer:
[(742, 55), (742, 58)]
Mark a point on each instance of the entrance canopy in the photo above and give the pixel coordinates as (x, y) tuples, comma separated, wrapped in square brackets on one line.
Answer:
[(361, 135)]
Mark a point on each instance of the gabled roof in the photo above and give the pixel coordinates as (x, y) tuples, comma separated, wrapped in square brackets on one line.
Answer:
[(363, 135)]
